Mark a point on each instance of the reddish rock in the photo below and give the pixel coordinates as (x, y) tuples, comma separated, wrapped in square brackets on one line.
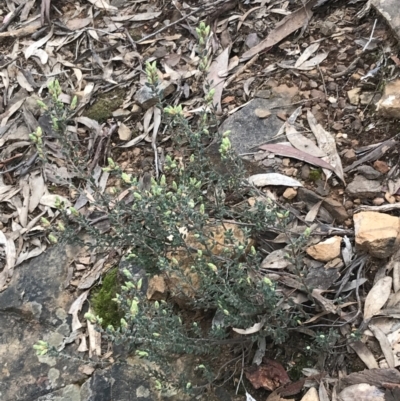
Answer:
[(381, 166)]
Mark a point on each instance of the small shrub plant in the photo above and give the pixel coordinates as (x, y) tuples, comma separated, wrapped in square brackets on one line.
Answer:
[(169, 229)]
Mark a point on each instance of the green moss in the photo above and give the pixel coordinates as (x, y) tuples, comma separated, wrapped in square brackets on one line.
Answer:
[(105, 104), (315, 175), (102, 302)]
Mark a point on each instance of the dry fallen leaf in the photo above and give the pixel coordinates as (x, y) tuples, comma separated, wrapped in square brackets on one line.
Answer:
[(216, 82), (327, 143), (76, 308), (263, 180), (251, 330), (377, 297), (364, 354), (307, 54), (384, 343), (288, 25), (290, 151)]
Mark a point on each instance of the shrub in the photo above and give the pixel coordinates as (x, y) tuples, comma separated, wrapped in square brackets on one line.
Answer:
[(186, 228)]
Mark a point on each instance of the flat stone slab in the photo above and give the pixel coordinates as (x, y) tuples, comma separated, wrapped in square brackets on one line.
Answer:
[(251, 128), (390, 11)]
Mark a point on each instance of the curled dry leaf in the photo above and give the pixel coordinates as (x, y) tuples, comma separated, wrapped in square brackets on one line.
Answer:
[(263, 180), (377, 297), (11, 257), (32, 49), (251, 330), (76, 308), (269, 375)]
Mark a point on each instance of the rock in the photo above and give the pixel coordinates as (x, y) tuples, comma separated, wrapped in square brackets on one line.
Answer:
[(377, 233), (252, 40), (336, 209), (378, 201), (348, 204), (337, 126), (322, 188), (248, 130), (389, 10), (317, 94), (263, 94), (262, 113), (349, 156), (366, 98), (157, 289), (41, 314), (389, 105), (354, 96), (310, 198), (390, 198), (136, 110), (120, 114), (326, 250), (305, 172), (290, 193), (364, 188), (381, 166), (146, 98), (369, 172)]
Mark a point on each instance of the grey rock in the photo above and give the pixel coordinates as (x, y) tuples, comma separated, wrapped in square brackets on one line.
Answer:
[(369, 172), (310, 198), (146, 98), (249, 131), (390, 11), (330, 209), (31, 310), (35, 307), (336, 209), (363, 188)]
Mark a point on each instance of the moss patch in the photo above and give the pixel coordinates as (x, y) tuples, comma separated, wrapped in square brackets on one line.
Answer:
[(102, 302), (105, 104), (315, 175)]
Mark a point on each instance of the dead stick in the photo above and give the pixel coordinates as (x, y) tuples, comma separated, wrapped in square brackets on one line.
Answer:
[(12, 17)]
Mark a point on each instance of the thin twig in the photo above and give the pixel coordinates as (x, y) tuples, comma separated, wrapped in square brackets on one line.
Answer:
[(371, 37), (12, 17)]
